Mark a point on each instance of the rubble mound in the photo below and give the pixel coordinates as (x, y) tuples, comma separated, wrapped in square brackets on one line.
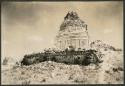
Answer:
[(112, 61), (50, 72), (98, 45)]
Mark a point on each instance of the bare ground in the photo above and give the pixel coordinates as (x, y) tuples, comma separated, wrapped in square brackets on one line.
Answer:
[(108, 72)]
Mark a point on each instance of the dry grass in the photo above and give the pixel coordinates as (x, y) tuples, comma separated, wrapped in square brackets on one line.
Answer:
[(109, 72)]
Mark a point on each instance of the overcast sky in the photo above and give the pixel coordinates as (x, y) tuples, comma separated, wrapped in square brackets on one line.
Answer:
[(32, 26)]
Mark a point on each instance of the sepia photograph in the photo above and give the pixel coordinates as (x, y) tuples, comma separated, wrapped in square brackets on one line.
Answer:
[(65, 42)]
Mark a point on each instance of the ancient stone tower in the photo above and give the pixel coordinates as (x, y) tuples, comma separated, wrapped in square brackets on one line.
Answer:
[(73, 33)]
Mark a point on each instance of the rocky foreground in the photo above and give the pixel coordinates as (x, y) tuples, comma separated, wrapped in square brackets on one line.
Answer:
[(108, 72)]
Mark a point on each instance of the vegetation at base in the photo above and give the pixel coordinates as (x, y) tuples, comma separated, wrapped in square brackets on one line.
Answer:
[(83, 57)]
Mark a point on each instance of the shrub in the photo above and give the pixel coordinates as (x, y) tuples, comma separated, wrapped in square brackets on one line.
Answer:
[(90, 56), (5, 61), (53, 59), (76, 61)]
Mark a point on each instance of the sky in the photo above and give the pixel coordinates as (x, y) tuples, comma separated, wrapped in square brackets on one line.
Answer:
[(29, 27)]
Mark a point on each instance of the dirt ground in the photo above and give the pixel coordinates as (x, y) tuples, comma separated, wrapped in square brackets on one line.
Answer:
[(108, 72)]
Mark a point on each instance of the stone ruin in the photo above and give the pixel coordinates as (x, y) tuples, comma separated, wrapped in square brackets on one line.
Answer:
[(72, 43), (73, 33)]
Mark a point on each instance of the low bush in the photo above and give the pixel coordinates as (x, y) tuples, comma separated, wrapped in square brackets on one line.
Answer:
[(85, 57)]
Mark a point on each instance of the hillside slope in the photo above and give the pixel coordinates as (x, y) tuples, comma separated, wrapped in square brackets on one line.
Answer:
[(110, 71), (59, 73)]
